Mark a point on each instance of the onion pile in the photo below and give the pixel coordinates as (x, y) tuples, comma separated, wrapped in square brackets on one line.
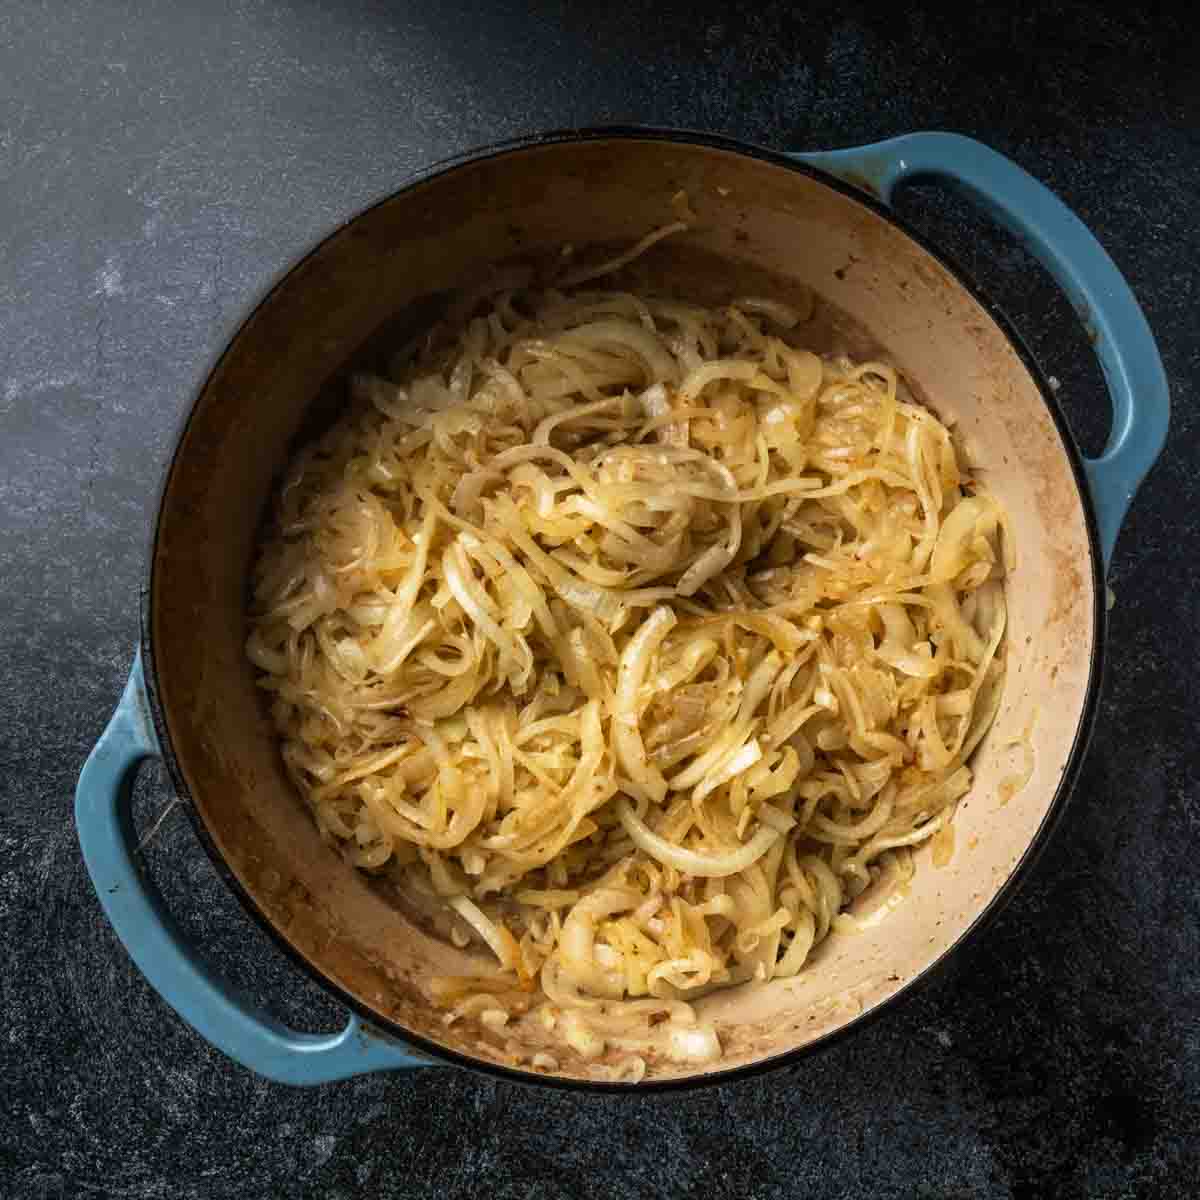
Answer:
[(636, 634)]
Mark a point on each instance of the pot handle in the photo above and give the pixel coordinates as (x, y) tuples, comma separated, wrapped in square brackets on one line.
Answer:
[(229, 1020), (1133, 369)]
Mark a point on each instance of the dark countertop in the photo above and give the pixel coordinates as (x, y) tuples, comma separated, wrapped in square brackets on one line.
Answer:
[(160, 163)]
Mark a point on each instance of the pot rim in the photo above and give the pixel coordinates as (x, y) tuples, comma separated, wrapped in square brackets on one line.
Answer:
[(986, 915)]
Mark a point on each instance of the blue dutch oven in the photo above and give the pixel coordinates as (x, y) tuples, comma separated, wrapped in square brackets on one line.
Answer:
[(820, 221)]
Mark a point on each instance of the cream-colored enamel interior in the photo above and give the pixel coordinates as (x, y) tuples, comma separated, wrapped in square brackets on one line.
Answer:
[(875, 288)]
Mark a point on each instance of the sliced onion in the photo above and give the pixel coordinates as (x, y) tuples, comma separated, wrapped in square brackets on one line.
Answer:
[(735, 764), (692, 862), (497, 937), (639, 248), (631, 675)]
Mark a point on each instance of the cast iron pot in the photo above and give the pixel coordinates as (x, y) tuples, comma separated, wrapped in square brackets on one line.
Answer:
[(768, 220)]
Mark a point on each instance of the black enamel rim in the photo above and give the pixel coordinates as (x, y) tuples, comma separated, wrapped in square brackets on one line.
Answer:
[(439, 1055)]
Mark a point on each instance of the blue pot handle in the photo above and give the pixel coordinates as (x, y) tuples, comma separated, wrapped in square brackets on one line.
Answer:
[(1137, 383), (209, 1004)]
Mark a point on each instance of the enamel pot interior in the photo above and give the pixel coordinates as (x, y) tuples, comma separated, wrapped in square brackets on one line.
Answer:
[(763, 226)]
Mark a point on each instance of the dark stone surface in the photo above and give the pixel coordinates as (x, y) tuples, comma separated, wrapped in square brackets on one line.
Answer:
[(159, 164)]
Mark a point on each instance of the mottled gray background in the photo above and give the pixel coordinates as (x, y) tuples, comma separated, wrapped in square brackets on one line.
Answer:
[(160, 163)]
